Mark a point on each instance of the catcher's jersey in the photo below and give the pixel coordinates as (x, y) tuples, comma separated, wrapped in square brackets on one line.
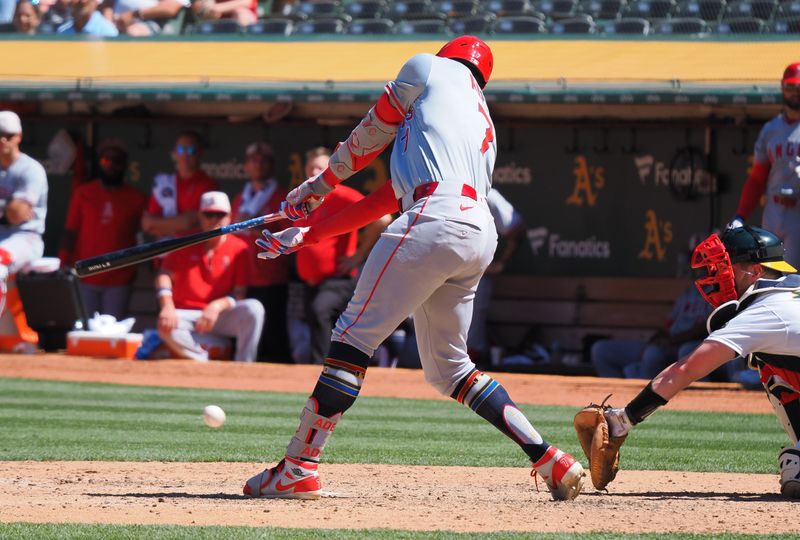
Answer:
[(447, 134), (778, 144), (770, 324)]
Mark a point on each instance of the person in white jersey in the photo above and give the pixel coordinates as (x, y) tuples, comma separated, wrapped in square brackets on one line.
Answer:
[(757, 299), (427, 263)]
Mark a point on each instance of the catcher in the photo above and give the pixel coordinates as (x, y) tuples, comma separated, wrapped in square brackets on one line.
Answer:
[(757, 299)]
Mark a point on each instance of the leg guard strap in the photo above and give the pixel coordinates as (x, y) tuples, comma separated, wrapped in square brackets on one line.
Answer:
[(312, 434)]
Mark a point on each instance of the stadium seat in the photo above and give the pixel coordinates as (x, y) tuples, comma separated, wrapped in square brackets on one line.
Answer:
[(787, 26), (743, 25), (370, 27), (421, 26), (510, 8), (458, 8), (320, 26), (477, 24), (582, 24), (788, 10), (519, 25), (366, 9), (628, 25), (558, 9), (651, 9), (708, 10), (413, 9), (694, 26), (759, 9), (177, 24), (222, 26), (604, 10), (272, 26), (316, 10)]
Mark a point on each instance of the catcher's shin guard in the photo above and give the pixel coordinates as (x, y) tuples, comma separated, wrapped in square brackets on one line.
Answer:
[(563, 475), (784, 398), (789, 462)]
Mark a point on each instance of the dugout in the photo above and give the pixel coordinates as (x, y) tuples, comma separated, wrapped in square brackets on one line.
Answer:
[(614, 149)]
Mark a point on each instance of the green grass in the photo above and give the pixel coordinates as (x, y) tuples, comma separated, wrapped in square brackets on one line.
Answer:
[(22, 531), (44, 420)]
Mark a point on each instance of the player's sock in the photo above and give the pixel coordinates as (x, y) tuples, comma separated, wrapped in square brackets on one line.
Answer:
[(488, 398), (335, 392)]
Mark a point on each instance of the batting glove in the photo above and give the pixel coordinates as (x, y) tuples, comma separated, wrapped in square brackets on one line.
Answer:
[(301, 211), (281, 243), (313, 188), (618, 422), (735, 223)]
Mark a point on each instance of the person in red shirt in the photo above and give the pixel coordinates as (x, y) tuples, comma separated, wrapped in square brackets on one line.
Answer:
[(104, 216), (329, 268), (175, 198), (201, 290), (268, 279)]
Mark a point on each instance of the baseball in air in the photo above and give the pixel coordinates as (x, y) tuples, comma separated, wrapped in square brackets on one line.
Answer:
[(213, 416)]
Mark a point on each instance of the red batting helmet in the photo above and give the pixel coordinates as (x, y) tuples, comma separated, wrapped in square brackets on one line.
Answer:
[(792, 74), (472, 50)]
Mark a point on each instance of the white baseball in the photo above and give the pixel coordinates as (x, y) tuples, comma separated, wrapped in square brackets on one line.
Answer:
[(213, 416)]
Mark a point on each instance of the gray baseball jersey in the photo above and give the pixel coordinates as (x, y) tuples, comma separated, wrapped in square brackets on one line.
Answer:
[(25, 179), (428, 261), (778, 145)]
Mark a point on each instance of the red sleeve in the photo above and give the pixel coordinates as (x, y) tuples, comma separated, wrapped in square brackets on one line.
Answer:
[(753, 189), (374, 206)]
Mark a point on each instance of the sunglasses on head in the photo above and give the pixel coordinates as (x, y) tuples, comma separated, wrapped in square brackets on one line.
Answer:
[(183, 149), (214, 215)]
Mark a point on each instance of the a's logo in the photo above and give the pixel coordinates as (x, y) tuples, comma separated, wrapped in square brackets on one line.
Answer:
[(563, 248), (588, 182), (657, 234)]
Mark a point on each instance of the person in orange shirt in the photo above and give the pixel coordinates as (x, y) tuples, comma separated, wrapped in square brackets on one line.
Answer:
[(329, 268), (201, 290), (175, 198), (104, 216), (269, 280)]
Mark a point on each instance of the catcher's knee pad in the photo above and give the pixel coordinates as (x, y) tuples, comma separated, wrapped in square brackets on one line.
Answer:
[(789, 463)]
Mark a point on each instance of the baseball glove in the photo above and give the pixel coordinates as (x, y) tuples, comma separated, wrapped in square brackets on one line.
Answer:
[(601, 449)]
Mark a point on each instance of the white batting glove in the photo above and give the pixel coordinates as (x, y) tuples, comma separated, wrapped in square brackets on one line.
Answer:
[(281, 243), (313, 188), (735, 223), (618, 422)]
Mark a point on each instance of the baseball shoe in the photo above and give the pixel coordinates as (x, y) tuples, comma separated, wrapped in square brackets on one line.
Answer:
[(563, 475), (289, 479), (789, 461)]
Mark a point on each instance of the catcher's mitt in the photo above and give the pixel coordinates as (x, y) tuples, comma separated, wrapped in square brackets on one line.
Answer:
[(601, 450)]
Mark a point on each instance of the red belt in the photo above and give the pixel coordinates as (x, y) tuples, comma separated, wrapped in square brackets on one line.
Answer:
[(426, 190), (788, 202)]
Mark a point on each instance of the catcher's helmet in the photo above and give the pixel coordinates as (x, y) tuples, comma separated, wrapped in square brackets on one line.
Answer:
[(757, 245), (791, 74), (474, 53)]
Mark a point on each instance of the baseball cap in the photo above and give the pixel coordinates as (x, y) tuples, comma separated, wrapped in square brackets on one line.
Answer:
[(791, 74), (260, 148), (754, 244), (215, 201), (10, 123)]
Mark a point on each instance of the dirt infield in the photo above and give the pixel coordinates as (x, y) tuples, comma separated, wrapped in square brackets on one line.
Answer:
[(375, 496)]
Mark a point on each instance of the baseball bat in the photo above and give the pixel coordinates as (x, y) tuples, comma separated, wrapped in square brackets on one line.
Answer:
[(136, 254)]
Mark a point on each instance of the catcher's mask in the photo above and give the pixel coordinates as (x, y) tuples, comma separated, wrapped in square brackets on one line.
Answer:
[(711, 263)]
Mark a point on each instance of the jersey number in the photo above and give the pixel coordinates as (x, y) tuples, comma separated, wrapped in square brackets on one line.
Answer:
[(489, 130)]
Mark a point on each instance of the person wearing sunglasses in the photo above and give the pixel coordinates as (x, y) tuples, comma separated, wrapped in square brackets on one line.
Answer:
[(175, 197), (23, 202), (201, 291), (108, 205)]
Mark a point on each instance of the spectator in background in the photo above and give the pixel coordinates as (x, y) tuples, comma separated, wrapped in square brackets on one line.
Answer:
[(87, 20), (6, 11), (268, 282), (175, 198), (27, 17), (242, 11), (510, 230), (776, 171), (104, 216), (201, 290), (142, 17), (329, 268), (633, 359), (23, 201)]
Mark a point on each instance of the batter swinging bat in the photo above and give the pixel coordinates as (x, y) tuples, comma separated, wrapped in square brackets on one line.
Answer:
[(145, 252)]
